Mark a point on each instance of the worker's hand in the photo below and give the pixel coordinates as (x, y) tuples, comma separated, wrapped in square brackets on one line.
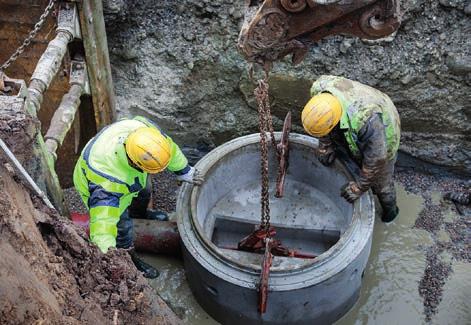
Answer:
[(326, 156), (193, 177), (351, 192)]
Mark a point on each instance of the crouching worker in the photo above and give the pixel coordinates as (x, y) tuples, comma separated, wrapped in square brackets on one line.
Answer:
[(364, 121), (111, 176)]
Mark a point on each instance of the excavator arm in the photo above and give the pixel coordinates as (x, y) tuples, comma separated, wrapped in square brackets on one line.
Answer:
[(273, 29)]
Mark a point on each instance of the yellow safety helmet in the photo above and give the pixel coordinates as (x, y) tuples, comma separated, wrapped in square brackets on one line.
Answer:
[(149, 149), (321, 114)]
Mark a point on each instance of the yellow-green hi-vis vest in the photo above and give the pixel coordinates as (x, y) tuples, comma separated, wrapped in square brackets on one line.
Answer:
[(107, 183)]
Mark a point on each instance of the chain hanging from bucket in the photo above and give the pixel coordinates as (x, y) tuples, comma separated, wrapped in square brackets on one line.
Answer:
[(265, 126), (262, 239)]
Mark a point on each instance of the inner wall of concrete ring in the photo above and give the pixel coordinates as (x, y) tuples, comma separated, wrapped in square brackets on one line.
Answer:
[(322, 292)]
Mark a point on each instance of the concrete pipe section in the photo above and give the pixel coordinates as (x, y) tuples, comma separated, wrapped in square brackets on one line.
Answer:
[(311, 218)]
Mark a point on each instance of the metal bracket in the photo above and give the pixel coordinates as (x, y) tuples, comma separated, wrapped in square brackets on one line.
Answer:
[(68, 19), (79, 75), (12, 87)]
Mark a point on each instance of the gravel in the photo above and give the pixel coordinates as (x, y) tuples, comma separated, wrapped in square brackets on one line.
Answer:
[(431, 285), (432, 219), (164, 191), (73, 201)]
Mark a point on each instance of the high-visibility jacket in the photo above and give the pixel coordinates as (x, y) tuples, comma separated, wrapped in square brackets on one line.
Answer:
[(359, 103), (107, 183)]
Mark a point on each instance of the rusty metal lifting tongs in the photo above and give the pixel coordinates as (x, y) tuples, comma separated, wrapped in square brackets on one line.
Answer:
[(283, 156)]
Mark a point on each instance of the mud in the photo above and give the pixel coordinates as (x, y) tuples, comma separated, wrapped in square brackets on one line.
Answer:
[(408, 280), (50, 273), (427, 250)]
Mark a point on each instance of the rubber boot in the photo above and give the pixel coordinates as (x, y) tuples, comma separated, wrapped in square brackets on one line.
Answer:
[(389, 213), (156, 215), (147, 270)]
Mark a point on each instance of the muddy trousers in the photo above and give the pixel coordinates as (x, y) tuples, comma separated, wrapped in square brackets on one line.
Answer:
[(137, 210), (383, 187)]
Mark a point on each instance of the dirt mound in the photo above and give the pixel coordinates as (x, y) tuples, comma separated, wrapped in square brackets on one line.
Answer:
[(49, 273)]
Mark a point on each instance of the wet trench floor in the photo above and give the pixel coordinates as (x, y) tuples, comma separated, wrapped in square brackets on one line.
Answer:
[(418, 272), (419, 269)]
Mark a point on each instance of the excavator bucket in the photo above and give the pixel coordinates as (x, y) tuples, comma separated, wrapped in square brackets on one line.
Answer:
[(273, 29)]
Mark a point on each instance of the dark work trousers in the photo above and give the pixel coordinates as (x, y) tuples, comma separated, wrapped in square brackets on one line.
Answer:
[(383, 187), (137, 210)]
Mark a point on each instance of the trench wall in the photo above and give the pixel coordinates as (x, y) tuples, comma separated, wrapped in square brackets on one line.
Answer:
[(176, 62)]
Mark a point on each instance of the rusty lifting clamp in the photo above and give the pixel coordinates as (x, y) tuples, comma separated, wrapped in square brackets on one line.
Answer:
[(262, 241)]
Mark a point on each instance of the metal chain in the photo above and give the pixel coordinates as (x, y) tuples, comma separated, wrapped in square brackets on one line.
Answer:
[(30, 37), (265, 125)]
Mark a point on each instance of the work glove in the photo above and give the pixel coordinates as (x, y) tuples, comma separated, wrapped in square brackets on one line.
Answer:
[(326, 156), (192, 177), (351, 192)]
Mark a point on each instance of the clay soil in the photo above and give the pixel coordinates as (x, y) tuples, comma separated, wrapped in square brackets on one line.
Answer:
[(50, 274)]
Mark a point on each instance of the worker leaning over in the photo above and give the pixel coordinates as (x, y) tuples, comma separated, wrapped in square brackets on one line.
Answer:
[(348, 114), (111, 176)]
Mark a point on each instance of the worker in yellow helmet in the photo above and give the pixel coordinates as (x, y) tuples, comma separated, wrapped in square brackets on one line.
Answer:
[(111, 176), (364, 121)]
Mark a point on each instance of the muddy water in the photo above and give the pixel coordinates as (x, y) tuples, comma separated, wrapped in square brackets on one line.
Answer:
[(389, 293)]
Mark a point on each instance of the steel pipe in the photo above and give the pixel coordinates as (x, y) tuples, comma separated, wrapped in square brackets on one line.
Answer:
[(51, 60), (65, 114), (62, 119), (46, 69), (150, 236)]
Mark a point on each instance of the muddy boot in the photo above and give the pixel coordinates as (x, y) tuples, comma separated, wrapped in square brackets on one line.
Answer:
[(389, 213), (156, 215), (147, 270)]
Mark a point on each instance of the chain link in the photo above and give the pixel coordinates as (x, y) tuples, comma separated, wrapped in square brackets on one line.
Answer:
[(265, 126), (30, 37)]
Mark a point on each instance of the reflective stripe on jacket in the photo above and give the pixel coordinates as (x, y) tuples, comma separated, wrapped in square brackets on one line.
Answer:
[(107, 183), (359, 103)]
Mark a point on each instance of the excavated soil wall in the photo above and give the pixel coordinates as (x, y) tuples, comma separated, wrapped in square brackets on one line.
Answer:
[(177, 62), (50, 273)]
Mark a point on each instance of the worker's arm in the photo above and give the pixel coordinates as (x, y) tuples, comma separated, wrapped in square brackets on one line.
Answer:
[(104, 216), (326, 151), (178, 162), (180, 167), (373, 146)]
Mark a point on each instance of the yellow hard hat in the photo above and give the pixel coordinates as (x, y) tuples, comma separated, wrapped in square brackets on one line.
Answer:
[(149, 149), (321, 114)]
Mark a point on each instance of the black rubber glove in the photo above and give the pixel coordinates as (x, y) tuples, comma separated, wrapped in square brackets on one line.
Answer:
[(351, 192), (326, 156)]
